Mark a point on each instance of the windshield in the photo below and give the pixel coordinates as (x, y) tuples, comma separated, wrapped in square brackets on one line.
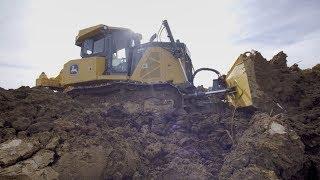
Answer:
[(91, 47)]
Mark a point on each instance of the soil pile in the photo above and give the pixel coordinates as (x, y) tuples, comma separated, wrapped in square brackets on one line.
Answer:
[(269, 149), (49, 135), (100, 141), (297, 92)]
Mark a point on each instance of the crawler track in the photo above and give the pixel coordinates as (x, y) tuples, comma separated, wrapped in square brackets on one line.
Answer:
[(162, 94), (121, 92)]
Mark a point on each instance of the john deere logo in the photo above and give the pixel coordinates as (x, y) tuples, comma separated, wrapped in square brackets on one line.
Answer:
[(74, 69)]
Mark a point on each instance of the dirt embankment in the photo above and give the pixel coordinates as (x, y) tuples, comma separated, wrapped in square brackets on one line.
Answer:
[(48, 135), (298, 93), (98, 141)]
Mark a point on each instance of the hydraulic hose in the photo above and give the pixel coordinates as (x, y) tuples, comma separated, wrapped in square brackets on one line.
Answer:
[(204, 69)]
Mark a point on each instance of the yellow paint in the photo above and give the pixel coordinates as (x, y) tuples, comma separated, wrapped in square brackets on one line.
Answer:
[(159, 65), (119, 77), (89, 69), (43, 80), (156, 65), (237, 77)]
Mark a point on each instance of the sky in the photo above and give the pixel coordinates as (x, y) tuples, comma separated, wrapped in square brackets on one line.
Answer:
[(39, 35)]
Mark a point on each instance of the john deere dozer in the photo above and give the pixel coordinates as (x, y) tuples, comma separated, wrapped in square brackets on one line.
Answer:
[(113, 60)]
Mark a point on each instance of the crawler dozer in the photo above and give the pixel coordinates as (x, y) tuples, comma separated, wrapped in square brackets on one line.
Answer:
[(113, 59)]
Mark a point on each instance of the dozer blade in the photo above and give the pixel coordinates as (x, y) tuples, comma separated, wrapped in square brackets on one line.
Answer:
[(242, 77)]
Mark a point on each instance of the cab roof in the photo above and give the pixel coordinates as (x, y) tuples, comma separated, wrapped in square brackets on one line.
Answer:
[(96, 30)]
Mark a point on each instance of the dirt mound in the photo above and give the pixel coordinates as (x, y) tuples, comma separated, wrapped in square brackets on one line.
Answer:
[(297, 92), (268, 149), (278, 82), (49, 135)]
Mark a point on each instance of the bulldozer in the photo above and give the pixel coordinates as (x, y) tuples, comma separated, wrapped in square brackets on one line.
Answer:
[(113, 60)]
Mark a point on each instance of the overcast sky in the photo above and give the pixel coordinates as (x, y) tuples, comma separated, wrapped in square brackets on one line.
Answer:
[(38, 35)]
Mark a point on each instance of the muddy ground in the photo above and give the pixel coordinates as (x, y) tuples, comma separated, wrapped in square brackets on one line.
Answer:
[(50, 135)]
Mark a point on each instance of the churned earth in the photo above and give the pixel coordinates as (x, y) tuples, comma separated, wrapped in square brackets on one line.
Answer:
[(50, 135)]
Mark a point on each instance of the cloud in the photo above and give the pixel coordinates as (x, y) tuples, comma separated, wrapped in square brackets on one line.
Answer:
[(270, 26), (284, 34), (276, 22), (12, 15), (15, 66)]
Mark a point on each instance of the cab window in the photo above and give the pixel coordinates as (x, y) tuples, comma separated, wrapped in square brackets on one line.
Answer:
[(91, 47), (98, 46), (87, 47), (119, 61)]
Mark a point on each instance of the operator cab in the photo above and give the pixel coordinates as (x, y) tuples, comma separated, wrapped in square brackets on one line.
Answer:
[(114, 43)]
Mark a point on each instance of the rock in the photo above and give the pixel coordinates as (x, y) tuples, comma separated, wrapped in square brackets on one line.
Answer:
[(46, 174), (42, 137), (16, 149), (9, 133), (63, 125), (153, 150), (2, 123), (33, 168), (132, 107), (276, 128), (40, 127), (41, 158), (21, 123), (53, 143), (22, 134)]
